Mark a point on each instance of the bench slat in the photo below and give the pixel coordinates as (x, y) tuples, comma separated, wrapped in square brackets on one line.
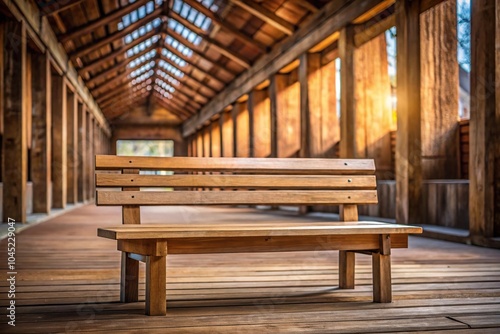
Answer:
[(239, 181), (183, 230), (240, 165), (278, 197)]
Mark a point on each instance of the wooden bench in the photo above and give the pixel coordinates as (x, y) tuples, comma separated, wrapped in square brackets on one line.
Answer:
[(244, 181)]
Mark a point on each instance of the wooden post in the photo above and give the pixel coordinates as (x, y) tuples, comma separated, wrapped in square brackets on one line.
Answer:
[(372, 95), (381, 271), (408, 145), (439, 100), (347, 258), (156, 291), (41, 138), (14, 144), (227, 134), (260, 121), (307, 112), (273, 105), (72, 147), (242, 130), (207, 147), (215, 139), (59, 140), (90, 158), (348, 113), (484, 168), (82, 149)]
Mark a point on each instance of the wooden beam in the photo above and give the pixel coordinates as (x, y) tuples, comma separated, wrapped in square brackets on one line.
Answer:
[(348, 112), (229, 28), (101, 22), (119, 65), (484, 168), (312, 6), (215, 44), (14, 144), (54, 8), (72, 148), (428, 4), (181, 91), (260, 111), (82, 149), (331, 18), (103, 88), (185, 84), (408, 145), (170, 106), (119, 52), (41, 138), (192, 64), (59, 141), (89, 156), (266, 15), (241, 123), (96, 45), (202, 55)]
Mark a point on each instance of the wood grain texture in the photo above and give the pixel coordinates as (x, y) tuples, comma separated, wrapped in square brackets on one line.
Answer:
[(175, 230), (239, 181), (260, 104), (82, 157), (348, 112), (439, 89), (241, 165), (41, 157), (59, 142), (72, 147), (14, 143), (278, 197), (156, 291)]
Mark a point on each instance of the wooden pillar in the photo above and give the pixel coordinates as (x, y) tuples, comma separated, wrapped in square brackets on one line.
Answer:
[(14, 144), (319, 122), (372, 95), (41, 133), (90, 155), (484, 168), (82, 149), (72, 148), (2, 39), (439, 99), (287, 90), (273, 105), (227, 134), (347, 108), (215, 139), (259, 105), (59, 140), (241, 123), (408, 145), (207, 145)]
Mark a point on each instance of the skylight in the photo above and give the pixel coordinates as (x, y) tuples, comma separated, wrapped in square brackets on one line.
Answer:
[(168, 77), (170, 69), (143, 77), (164, 85), (138, 14), (142, 30), (142, 46), (142, 69), (179, 46), (180, 62), (163, 92), (142, 59)]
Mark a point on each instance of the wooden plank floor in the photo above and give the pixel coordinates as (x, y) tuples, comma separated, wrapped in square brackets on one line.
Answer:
[(67, 281)]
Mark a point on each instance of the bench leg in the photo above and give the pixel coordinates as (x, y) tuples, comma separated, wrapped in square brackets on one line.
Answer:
[(156, 291), (129, 285), (382, 288), (346, 269)]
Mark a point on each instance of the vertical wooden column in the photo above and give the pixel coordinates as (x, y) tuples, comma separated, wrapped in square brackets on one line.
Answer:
[(72, 147), (439, 100), (260, 110), (90, 156), (59, 140), (82, 149), (14, 137), (207, 145), (241, 123), (372, 95), (273, 105), (348, 113), (319, 122), (287, 90), (2, 103), (408, 145), (215, 139), (41, 133), (484, 168), (227, 134)]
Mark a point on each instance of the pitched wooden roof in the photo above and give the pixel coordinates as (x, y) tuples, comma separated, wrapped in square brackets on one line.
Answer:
[(177, 54)]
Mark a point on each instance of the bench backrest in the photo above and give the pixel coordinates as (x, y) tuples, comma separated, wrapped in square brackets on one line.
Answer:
[(258, 181)]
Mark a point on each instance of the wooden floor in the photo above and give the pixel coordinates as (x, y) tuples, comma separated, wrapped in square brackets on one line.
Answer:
[(67, 281)]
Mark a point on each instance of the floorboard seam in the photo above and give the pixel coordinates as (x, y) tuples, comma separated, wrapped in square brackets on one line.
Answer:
[(466, 324)]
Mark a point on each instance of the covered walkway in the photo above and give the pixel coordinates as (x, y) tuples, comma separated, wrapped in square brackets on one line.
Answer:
[(68, 281)]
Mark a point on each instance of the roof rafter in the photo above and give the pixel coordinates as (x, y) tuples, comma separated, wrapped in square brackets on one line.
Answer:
[(173, 103), (102, 21), (183, 115), (174, 35), (54, 9), (265, 15), (226, 26), (221, 48), (183, 83), (120, 51), (119, 65), (95, 45), (181, 90)]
